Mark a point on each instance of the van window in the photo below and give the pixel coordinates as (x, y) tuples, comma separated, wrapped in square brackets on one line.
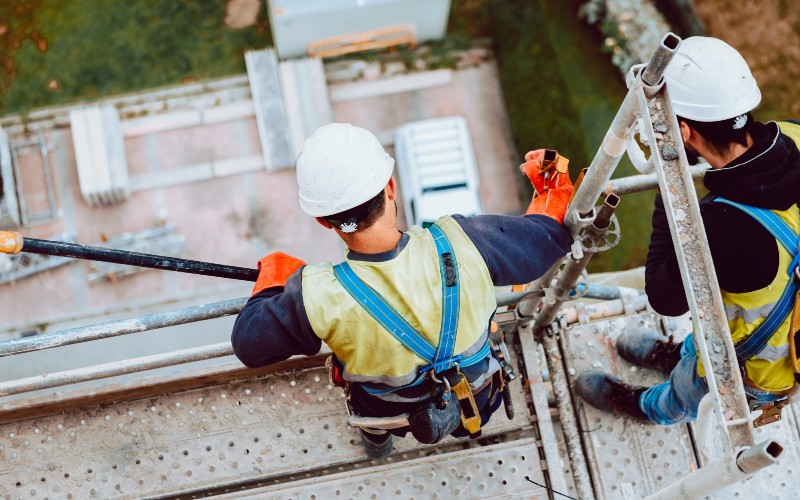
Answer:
[(445, 187)]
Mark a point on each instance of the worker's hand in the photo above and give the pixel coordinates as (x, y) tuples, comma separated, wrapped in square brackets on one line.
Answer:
[(549, 174), (274, 269)]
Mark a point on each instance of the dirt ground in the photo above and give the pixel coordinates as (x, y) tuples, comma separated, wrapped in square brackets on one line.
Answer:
[(767, 33)]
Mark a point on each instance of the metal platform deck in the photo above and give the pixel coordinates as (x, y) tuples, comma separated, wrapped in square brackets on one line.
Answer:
[(628, 457), (273, 430), (284, 435)]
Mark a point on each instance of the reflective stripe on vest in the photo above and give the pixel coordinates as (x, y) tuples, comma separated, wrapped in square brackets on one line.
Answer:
[(439, 358), (789, 240), (767, 369)]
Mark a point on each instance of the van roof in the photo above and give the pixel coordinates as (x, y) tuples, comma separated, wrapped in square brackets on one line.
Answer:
[(439, 152)]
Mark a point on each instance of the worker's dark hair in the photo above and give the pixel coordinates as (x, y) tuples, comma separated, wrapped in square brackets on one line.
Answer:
[(365, 215), (722, 135)]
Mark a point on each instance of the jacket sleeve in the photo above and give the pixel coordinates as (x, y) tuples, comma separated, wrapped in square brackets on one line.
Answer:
[(273, 326), (516, 249), (739, 267), (662, 275)]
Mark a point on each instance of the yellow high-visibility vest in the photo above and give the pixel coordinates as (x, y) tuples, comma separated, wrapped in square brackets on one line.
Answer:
[(411, 283), (770, 369)]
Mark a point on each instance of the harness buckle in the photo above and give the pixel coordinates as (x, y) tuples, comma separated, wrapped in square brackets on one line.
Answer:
[(796, 274), (470, 416), (455, 382), (770, 412)]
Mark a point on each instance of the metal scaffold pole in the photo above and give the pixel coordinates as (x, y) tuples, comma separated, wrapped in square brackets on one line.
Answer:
[(648, 104), (589, 228)]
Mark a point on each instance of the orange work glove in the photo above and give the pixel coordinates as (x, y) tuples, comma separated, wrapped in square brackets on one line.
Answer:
[(549, 174), (274, 270)]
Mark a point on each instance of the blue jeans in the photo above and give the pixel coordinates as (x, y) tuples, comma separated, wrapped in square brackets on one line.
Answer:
[(676, 400)]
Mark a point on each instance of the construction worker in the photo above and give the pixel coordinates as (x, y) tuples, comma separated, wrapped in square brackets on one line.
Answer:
[(406, 314), (754, 188)]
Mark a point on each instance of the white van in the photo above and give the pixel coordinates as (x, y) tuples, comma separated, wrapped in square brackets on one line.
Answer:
[(437, 170)]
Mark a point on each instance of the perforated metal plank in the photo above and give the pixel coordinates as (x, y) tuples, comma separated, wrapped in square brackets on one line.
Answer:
[(487, 472), (305, 99), (158, 240), (620, 450), (199, 439), (23, 265), (780, 480), (265, 87)]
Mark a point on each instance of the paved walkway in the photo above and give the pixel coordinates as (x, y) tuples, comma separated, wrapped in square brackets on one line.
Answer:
[(233, 219)]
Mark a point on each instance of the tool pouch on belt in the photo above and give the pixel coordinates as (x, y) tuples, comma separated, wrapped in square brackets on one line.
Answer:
[(430, 423), (439, 417)]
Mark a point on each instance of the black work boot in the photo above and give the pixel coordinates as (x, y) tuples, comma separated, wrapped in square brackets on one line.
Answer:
[(648, 349), (608, 393), (376, 446)]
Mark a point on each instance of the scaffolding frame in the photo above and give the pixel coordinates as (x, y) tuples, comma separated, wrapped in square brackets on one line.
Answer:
[(33, 146), (537, 314)]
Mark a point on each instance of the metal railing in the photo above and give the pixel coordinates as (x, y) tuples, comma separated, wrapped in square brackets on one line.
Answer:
[(590, 226), (166, 319)]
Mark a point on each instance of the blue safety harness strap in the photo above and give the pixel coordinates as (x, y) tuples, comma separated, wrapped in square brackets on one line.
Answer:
[(440, 357), (383, 312), (790, 241), (448, 269)]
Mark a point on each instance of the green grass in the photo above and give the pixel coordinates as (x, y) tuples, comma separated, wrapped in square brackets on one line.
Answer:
[(562, 92), (101, 48)]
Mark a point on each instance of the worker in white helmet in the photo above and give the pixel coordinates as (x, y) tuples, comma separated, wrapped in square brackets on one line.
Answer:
[(407, 315), (751, 219)]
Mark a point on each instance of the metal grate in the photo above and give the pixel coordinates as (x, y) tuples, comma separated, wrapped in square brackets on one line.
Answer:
[(489, 472), (158, 241), (206, 439), (34, 209), (620, 450), (22, 265), (780, 480)]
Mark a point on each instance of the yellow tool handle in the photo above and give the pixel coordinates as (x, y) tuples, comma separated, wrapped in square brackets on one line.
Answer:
[(470, 415), (10, 242)]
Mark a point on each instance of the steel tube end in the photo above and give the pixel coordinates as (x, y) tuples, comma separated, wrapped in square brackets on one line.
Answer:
[(606, 211), (755, 458), (663, 55), (612, 200), (671, 41)]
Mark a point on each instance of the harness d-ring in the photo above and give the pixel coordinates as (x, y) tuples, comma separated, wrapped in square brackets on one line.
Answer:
[(442, 380)]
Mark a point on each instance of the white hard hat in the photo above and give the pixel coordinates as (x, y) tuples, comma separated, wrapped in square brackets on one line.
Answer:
[(710, 81), (341, 167)]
